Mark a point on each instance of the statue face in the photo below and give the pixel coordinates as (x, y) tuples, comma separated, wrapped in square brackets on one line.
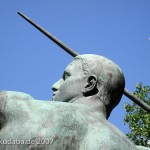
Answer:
[(70, 86)]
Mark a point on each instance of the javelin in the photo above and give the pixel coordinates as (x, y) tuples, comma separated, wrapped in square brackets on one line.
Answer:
[(74, 54)]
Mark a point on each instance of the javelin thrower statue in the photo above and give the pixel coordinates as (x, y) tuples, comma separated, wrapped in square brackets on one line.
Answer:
[(77, 117)]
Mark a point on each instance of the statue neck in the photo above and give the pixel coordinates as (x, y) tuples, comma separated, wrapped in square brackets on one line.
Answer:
[(94, 103)]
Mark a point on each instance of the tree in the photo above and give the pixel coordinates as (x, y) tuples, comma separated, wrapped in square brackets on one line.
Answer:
[(138, 119)]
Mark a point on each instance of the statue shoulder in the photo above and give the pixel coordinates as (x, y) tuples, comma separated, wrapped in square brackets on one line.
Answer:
[(105, 136), (10, 102), (14, 95)]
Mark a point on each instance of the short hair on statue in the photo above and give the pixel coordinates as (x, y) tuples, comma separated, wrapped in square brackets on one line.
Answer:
[(110, 79)]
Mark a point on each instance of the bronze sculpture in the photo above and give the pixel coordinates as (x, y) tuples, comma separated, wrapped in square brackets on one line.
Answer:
[(76, 118), (73, 53)]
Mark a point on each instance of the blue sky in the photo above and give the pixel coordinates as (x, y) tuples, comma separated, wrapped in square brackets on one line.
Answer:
[(117, 29)]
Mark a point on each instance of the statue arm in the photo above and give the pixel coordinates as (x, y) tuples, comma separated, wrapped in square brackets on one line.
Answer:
[(9, 103)]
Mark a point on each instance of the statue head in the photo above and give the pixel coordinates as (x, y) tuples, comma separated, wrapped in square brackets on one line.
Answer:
[(91, 75)]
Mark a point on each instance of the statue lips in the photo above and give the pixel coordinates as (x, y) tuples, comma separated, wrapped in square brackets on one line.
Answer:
[(53, 95)]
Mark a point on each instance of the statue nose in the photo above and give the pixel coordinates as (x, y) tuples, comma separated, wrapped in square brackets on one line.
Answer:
[(54, 89), (56, 85)]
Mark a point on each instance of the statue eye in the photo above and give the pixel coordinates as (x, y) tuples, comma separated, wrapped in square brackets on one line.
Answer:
[(66, 75)]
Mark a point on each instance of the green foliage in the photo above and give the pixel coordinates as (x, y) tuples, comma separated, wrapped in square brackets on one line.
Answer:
[(138, 119)]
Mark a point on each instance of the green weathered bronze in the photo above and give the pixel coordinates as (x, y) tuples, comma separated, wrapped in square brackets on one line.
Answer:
[(76, 118), (74, 54)]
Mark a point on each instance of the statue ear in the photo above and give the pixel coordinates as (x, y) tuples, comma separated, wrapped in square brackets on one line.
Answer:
[(91, 86)]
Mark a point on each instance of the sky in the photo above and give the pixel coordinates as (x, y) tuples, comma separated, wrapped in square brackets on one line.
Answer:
[(116, 29)]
